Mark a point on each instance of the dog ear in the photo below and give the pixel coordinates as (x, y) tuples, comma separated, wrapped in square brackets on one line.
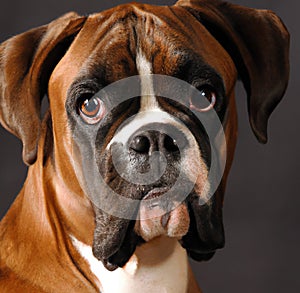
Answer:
[(26, 63), (258, 43)]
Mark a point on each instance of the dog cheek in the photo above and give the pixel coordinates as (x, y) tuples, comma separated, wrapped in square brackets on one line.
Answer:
[(109, 234), (114, 240), (127, 249), (206, 233), (196, 169), (209, 226)]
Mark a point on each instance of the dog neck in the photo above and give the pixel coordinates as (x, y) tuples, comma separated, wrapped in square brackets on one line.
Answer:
[(161, 263)]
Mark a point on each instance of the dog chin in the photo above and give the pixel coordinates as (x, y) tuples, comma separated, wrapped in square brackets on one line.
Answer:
[(115, 242), (154, 222)]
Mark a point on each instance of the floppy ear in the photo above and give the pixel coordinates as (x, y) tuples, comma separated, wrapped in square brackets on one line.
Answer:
[(258, 43), (26, 63)]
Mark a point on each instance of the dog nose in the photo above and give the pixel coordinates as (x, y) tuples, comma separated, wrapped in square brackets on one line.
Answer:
[(150, 141), (140, 144)]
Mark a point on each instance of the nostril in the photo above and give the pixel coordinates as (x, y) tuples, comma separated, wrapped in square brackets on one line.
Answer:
[(170, 144), (140, 144)]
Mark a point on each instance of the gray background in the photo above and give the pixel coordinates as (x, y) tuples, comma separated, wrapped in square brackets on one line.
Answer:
[(261, 212)]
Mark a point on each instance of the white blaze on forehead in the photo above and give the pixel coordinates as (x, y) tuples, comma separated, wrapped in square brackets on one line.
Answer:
[(144, 67)]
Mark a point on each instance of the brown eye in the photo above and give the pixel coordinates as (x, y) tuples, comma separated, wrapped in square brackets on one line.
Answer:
[(204, 101), (91, 109)]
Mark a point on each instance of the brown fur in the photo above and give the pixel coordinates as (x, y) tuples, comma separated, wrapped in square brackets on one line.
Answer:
[(36, 253)]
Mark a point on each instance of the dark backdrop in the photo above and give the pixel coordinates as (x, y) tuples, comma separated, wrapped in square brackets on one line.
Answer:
[(261, 212)]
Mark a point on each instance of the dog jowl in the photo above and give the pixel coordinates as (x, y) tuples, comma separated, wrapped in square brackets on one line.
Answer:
[(140, 133)]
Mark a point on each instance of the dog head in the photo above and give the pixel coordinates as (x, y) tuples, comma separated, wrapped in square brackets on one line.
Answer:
[(108, 137)]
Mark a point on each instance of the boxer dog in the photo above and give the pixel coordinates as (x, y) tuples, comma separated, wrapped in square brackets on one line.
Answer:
[(56, 237)]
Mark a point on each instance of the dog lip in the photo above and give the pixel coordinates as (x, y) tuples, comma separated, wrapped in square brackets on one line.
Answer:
[(155, 192), (165, 219)]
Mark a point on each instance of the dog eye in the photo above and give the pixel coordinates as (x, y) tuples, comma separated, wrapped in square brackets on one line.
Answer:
[(205, 102), (91, 109)]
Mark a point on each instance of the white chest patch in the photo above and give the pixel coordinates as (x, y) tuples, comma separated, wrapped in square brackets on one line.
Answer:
[(157, 266)]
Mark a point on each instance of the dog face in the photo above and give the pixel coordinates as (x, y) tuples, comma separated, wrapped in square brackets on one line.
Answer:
[(95, 131), (131, 42)]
